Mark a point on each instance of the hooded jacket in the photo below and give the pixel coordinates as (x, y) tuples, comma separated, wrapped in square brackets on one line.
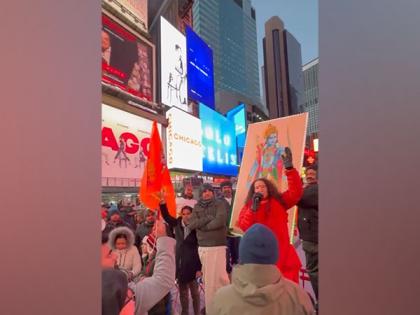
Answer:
[(127, 259), (260, 289)]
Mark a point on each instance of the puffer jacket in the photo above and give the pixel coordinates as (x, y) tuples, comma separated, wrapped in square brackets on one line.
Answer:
[(308, 214), (260, 289), (209, 220), (273, 214), (127, 259)]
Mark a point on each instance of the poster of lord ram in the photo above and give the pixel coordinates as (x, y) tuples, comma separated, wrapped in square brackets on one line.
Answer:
[(265, 143)]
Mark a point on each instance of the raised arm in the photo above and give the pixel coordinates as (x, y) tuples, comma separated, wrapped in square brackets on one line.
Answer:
[(295, 189), (151, 290), (166, 216)]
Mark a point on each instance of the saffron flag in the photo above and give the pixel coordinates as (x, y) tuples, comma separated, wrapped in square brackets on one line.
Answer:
[(156, 177)]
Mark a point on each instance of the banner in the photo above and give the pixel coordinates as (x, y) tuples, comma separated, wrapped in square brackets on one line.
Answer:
[(125, 143), (265, 142), (127, 60), (156, 177)]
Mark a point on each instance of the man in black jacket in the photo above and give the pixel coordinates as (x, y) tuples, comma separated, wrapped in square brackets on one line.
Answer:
[(308, 225), (188, 265)]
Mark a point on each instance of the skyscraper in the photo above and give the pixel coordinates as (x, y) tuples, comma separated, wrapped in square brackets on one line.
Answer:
[(283, 76), (229, 28), (311, 105)]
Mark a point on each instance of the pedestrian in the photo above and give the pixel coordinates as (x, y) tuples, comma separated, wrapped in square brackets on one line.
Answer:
[(145, 227), (232, 239), (308, 225), (114, 219), (188, 265), (266, 205), (209, 220), (187, 199), (258, 286), (121, 241)]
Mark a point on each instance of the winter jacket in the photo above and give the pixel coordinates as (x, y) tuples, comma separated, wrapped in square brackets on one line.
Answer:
[(127, 259), (308, 214), (260, 289), (209, 220), (187, 259), (150, 291), (273, 214)]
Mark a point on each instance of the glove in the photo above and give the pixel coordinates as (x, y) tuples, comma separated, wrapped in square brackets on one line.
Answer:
[(287, 158)]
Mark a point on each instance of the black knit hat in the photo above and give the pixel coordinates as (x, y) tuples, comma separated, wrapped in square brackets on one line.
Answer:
[(206, 186)]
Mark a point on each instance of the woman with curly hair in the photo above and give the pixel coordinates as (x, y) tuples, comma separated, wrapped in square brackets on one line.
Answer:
[(266, 205)]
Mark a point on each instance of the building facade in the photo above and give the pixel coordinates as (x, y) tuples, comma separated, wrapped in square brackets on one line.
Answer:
[(229, 27), (283, 78), (311, 95)]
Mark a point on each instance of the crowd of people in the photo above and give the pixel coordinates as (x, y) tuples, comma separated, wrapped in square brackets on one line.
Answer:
[(145, 255)]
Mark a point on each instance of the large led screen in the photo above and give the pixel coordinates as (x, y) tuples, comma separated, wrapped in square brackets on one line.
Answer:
[(237, 115), (219, 143), (125, 143), (183, 141), (127, 60), (200, 69), (173, 63)]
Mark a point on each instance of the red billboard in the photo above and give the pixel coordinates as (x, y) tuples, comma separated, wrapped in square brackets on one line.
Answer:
[(127, 60)]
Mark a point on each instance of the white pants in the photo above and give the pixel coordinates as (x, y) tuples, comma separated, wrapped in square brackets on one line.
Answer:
[(213, 261)]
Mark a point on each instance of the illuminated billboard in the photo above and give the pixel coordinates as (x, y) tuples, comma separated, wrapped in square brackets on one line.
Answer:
[(183, 141), (133, 10), (173, 59), (219, 143), (127, 60), (200, 69), (125, 143), (237, 115)]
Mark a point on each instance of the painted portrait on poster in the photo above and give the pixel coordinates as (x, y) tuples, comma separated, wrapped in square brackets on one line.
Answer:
[(265, 143)]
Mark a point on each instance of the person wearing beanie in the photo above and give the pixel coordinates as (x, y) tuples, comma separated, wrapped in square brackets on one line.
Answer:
[(114, 220), (258, 286), (145, 227), (209, 220), (266, 205)]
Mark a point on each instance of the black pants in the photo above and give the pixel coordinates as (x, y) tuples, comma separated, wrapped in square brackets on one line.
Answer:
[(232, 252), (311, 253), (184, 289)]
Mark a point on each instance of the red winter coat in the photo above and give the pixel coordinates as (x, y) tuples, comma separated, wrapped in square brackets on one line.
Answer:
[(273, 214)]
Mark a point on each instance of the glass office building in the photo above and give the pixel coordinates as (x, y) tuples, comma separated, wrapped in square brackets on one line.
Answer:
[(310, 74), (229, 28)]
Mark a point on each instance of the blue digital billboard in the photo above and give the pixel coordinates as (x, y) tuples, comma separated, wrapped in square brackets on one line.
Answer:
[(219, 143), (200, 69), (237, 115)]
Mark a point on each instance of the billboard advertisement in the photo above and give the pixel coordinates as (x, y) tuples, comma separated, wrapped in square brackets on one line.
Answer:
[(237, 115), (173, 58), (125, 143), (133, 10), (265, 142), (200, 69), (219, 143), (127, 60), (183, 141)]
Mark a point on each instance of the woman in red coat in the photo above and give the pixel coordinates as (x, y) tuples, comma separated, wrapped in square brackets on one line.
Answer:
[(272, 212)]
